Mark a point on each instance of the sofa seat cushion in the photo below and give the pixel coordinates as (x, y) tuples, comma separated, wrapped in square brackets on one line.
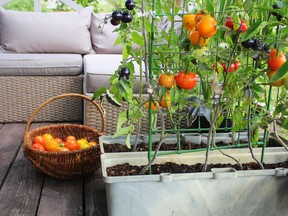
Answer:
[(98, 68), (19, 64)]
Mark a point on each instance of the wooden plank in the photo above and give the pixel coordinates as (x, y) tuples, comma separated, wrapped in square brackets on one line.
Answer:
[(21, 190), (61, 197), (95, 195), (10, 140)]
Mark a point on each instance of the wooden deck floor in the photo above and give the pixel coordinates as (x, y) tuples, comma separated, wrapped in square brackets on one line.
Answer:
[(25, 191)]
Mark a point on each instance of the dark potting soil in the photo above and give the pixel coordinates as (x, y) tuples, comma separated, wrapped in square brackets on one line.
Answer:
[(184, 146), (169, 167)]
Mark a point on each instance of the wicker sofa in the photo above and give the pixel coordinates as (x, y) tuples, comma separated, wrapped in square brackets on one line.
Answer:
[(46, 54)]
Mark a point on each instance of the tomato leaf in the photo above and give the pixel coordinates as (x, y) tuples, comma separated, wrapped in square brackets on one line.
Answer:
[(99, 92), (122, 118), (254, 29), (128, 140), (137, 38), (192, 115), (281, 72), (123, 131)]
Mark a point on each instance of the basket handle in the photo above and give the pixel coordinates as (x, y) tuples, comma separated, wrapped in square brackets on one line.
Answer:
[(27, 127)]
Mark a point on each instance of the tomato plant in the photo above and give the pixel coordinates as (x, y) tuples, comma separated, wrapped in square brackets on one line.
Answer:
[(186, 80)]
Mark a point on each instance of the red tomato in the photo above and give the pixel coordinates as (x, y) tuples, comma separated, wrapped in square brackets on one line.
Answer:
[(186, 80), (72, 145), (39, 139), (229, 23), (38, 146), (232, 67), (275, 63), (243, 26), (236, 65)]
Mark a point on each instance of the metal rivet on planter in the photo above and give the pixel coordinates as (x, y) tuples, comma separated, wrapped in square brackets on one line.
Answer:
[(166, 177)]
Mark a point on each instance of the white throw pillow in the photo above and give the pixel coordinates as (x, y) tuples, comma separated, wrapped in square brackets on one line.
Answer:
[(103, 37), (47, 32)]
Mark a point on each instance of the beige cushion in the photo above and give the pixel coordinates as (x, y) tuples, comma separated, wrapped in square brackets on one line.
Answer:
[(98, 68), (20, 64), (51, 32), (103, 37)]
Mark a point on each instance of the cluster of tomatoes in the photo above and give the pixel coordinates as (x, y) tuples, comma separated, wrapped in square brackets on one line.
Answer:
[(233, 66), (275, 61), (229, 23), (47, 142), (200, 27), (183, 80), (125, 16)]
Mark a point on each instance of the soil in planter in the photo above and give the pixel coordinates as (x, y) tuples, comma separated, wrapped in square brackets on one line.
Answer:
[(168, 147), (129, 170)]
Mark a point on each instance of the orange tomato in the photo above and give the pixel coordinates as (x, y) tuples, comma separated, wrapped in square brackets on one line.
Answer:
[(166, 100), (196, 39), (38, 146), (189, 21), (199, 15), (166, 80), (207, 27), (52, 145), (72, 144), (39, 139), (153, 107), (275, 63), (47, 137), (70, 138), (271, 74)]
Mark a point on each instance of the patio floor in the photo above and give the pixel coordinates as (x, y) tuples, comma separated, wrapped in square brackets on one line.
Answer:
[(25, 191)]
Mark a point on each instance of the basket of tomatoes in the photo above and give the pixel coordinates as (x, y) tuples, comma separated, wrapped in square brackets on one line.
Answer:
[(65, 150)]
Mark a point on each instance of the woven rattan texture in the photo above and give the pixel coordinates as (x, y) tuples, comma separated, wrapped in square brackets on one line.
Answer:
[(64, 165), (20, 95)]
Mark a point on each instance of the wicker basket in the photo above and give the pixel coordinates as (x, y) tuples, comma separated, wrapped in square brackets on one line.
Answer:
[(70, 164)]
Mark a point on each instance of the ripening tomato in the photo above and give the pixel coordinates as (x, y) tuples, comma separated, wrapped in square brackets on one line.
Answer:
[(153, 107), (52, 145), (196, 39), (166, 80), (47, 137), (166, 100), (275, 63), (207, 27), (70, 138), (271, 74), (72, 144), (229, 23), (39, 139), (186, 80), (189, 21), (92, 143), (38, 146)]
